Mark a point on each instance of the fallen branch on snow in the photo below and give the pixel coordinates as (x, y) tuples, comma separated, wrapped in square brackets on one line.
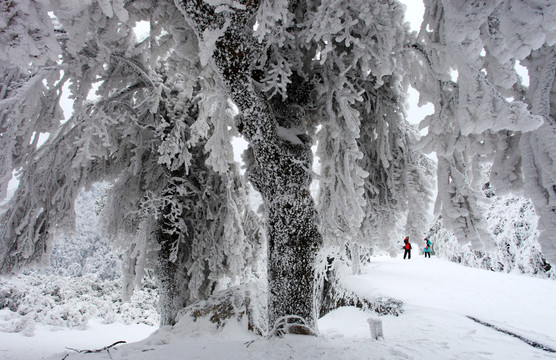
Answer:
[(525, 340), (97, 350)]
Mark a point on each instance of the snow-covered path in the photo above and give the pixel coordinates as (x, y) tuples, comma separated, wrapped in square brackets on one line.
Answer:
[(437, 294), (520, 304)]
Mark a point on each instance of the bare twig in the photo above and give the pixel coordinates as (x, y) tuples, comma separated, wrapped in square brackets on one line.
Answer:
[(97, 350), (248, 343)]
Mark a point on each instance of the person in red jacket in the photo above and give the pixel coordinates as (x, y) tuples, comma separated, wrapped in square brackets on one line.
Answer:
[(407, 248)]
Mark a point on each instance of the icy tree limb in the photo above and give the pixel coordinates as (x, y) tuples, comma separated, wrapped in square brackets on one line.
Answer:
[(336, 296)]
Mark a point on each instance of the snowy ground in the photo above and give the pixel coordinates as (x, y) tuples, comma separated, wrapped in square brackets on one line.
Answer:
[(49, 340), (438, 296)]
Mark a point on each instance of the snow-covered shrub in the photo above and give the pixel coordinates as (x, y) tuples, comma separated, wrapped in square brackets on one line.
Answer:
[(513, 224), (70, 302), (82, 281)]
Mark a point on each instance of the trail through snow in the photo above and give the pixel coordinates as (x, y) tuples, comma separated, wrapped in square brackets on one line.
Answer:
[(438, 296)]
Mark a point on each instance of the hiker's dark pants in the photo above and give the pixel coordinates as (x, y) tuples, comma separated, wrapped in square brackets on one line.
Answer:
[(407, 253), (428, 254)]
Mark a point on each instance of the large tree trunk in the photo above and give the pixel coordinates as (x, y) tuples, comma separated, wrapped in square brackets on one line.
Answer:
[(279, 169), (293, 242)]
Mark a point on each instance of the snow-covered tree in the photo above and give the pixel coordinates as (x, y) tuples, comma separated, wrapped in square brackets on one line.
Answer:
[(279, 155), (173, 205)]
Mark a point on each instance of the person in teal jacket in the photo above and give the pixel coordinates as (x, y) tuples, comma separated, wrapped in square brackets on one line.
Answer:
[(427, 248)]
